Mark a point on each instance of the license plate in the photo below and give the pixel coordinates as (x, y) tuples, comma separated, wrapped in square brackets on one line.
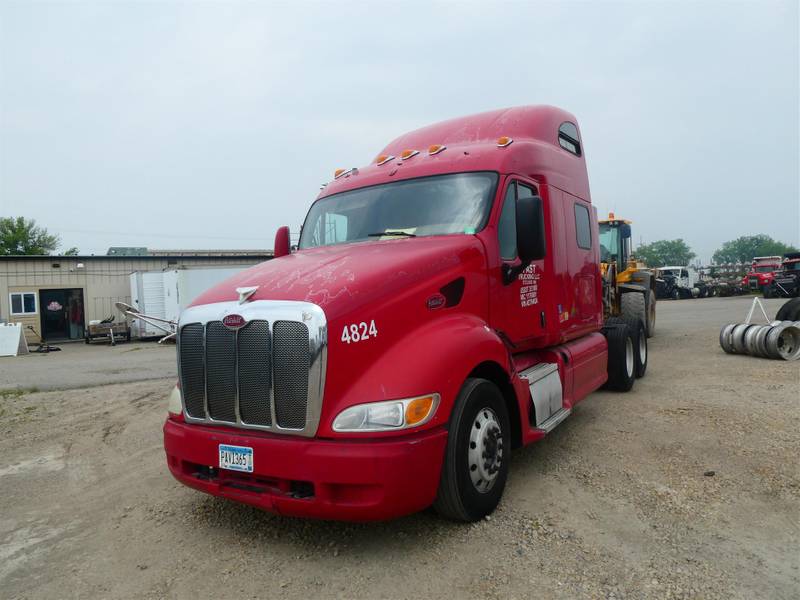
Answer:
[(236, 458)]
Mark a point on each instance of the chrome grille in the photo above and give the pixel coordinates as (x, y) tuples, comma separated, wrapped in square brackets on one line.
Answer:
[(255, 373), (221, 372), (291, 374), (269, 374), (193, 370)]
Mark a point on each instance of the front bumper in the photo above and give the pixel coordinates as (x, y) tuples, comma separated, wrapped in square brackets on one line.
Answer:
[(354, 480)]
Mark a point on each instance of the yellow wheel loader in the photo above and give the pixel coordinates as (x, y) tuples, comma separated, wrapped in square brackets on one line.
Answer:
[(629, 287)]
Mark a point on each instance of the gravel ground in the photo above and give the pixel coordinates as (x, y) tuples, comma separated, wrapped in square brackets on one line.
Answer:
[(687, 487), (68, 368)]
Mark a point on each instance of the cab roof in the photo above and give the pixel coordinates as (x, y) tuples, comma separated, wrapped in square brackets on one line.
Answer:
[(473, 143)]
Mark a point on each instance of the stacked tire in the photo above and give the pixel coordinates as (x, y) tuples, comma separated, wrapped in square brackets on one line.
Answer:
[(778, 340)]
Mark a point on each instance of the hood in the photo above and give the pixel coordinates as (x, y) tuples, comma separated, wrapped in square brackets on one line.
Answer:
[(341, 278)]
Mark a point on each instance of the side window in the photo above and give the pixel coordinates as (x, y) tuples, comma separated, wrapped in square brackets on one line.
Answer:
[(684, 273), (23, 303), (507, 227), (524, 191), (583, 229), (568, 138)]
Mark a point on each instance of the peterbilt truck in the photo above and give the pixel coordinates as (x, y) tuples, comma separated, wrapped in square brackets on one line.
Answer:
[(442, 308)]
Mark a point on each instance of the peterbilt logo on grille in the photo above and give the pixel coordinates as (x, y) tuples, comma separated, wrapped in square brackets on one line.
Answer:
[(233, 321)]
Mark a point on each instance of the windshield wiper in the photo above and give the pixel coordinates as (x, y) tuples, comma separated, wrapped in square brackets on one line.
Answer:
[(400, 233)]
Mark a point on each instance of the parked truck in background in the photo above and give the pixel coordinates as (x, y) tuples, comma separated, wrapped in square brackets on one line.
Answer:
[(761, 273), (786, 280), (629, 287), (682, 282), (164, 294), (444, 307)]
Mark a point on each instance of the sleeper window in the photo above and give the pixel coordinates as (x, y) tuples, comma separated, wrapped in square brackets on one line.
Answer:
[(583, 230)]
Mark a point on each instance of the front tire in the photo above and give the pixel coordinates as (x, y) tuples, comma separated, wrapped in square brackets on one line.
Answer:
[(476, 458)]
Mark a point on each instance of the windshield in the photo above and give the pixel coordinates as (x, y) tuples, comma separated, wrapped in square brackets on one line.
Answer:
[(765, 269), (609, 243), (439, 205), (793, 266)]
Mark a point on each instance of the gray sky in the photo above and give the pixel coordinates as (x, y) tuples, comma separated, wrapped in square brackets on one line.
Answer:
[(181, 124)]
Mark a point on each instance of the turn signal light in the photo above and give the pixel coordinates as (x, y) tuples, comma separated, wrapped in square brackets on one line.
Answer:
[(418, 410), (406, 154), (504, 141), (435, 149)]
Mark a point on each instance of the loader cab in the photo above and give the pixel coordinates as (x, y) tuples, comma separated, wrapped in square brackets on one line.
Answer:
[(615, 241)]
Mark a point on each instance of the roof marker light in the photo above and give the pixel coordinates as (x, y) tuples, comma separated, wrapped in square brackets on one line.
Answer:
[(435, 149), (504, 141), (345, 172), (406, 154), (383, 159)]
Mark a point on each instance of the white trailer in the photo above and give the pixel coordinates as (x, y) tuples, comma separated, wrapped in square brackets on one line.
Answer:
[(164, 294)]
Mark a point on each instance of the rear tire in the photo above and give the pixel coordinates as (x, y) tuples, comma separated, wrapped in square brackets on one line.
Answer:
[(472, 483), (621, 361), (633, 305), (650, 325), (639, 343)]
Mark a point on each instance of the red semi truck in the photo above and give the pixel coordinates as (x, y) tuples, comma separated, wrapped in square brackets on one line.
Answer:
[(761, 274), (444, 306)]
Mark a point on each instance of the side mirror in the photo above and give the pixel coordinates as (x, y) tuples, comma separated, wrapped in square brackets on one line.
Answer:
[(531, 241), (282, 242)]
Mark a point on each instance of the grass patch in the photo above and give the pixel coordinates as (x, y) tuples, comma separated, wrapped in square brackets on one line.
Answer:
[(17, 392)]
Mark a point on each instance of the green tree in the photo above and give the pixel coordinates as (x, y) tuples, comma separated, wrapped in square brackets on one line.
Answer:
[(665, 252), (72, 252), (743, 249), (22, 236)]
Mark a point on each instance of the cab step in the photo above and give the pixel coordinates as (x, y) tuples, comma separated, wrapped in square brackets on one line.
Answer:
[(554, 420)]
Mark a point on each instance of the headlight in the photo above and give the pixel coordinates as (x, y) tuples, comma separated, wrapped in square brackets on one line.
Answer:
[(387, 416), (175, 406)]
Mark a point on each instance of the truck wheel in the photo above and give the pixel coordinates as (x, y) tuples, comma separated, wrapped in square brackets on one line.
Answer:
[(639, 343), (725, 341), (650, 326), (676, 294), (621, 357), (633, 305), (476, 458), (790, 311)]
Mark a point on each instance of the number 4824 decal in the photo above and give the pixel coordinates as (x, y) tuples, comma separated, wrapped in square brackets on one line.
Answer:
[(359, 332)]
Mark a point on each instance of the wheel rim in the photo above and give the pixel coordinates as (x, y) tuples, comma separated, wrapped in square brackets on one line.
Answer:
[(485, 454), (642, 348), (629, 356)]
